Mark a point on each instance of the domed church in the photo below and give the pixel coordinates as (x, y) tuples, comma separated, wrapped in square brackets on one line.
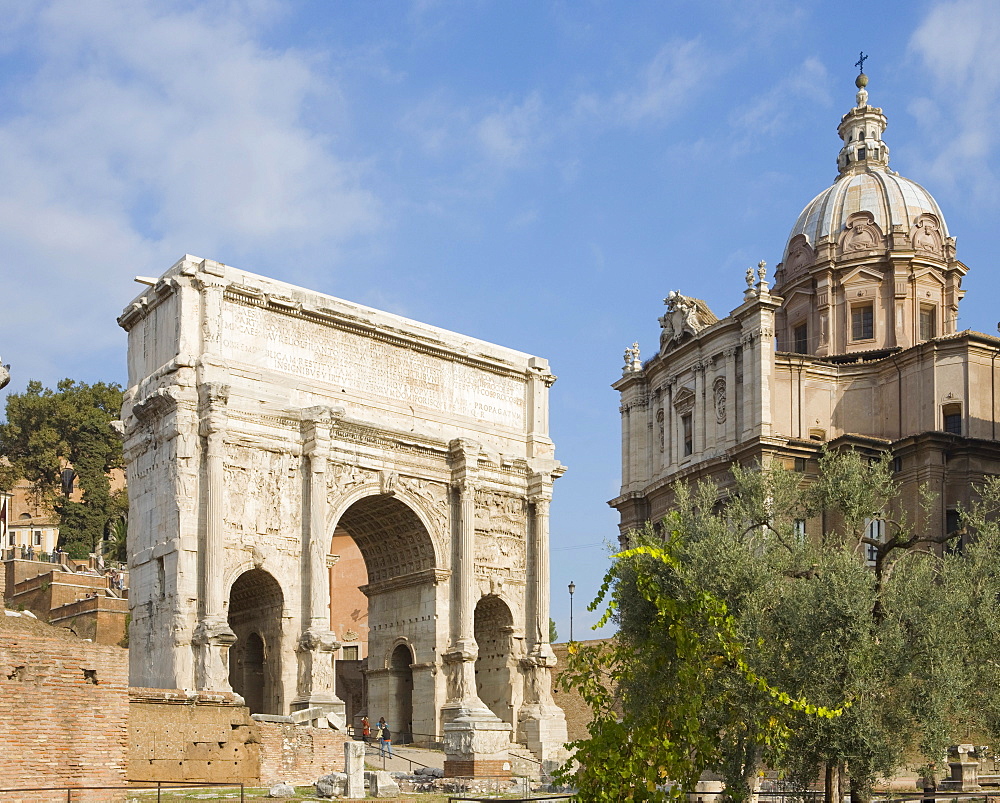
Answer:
[(853, 345)]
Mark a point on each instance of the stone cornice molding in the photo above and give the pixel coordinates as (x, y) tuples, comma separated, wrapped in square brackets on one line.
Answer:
[(421, 578)]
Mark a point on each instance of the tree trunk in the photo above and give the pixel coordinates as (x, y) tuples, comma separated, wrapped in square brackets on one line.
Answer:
[(831, 783)]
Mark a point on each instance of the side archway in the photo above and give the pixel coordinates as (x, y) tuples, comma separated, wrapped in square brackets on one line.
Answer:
[(497, 678), (255, 606)]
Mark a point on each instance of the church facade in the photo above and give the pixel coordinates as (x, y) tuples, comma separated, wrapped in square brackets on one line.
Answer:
[(855, 344)]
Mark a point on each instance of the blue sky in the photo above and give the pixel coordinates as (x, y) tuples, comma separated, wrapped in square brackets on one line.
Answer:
[(537, 174)]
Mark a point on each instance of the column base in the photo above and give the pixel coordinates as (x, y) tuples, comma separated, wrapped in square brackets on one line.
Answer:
[(212, 640), (542, 729), (476, 746), (316, 681)]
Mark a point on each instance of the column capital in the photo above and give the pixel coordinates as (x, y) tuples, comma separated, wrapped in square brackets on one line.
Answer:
[(540, 487), (214, 397)]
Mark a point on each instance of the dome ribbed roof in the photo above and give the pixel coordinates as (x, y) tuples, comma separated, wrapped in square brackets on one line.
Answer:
[(865, 182), (890, 198)]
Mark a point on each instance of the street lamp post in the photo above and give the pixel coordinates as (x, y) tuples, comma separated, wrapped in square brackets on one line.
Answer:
[(572, 588)]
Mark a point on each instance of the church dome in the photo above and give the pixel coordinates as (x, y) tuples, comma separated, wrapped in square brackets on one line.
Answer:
[(892, 200), (865, 183)]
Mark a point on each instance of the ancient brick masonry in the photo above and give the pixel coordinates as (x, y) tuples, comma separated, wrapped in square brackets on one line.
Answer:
[(63, 708), (298, 755)]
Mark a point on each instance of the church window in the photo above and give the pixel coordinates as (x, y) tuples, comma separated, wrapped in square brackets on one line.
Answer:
[(800, 530), (38, 537), (874, 153), (861, 153), (351, 653), (862, 322), (688, 434), (875, 530), (952, 418), (928, 320), (800, 339), (952, 521), (800, 464)]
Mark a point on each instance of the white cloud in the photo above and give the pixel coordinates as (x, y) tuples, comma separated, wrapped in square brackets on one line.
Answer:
[(509, 133), (659, 90), (773, 112), (958, 44), (143, 130)]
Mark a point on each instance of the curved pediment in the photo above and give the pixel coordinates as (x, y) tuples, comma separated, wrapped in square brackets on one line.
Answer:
[(925, 235), (800, 255), (861, 234)]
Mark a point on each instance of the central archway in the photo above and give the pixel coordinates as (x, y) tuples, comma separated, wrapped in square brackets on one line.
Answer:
[(403, 593), (255, 606)]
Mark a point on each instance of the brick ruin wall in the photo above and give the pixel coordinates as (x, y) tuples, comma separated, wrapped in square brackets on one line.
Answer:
[(63, 709), (176, 735), (577, 711), (68, 718), (297, 754)]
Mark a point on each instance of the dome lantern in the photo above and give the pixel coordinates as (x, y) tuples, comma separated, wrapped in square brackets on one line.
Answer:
[(869, 264)]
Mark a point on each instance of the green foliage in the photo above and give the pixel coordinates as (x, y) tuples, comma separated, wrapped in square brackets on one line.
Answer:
[(116, 544), (665, 694), (742, 644), (553, 633), (46, 431)]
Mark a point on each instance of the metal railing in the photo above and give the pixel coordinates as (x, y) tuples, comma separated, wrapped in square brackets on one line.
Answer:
[(543, 796), (72, 792)]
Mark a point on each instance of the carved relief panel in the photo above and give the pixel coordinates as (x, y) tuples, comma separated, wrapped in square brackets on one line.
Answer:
[(260, 499), (501, 526)]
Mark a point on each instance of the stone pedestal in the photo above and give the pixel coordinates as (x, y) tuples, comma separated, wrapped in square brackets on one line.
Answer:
[(541, 723), (964, 771), (354, 767), (476, 747), (316, 678), (212, 640)]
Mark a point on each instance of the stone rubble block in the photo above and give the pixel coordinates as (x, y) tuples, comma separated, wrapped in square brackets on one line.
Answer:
[(381, 784), (333, 784)]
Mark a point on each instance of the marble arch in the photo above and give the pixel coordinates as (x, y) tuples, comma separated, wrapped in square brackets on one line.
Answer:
[(260, 417)]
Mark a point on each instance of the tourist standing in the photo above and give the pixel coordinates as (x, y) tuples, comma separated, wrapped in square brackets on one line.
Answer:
[(384, 738), (366, 730)]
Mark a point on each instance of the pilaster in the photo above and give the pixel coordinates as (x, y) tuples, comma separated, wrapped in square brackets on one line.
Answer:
[(317, 644), (541, 723), (213, 637)]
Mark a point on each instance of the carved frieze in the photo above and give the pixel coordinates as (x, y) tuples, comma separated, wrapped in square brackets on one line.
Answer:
[(501, 525)]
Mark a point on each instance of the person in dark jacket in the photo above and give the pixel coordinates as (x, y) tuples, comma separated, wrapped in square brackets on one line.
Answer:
[(384, 738)]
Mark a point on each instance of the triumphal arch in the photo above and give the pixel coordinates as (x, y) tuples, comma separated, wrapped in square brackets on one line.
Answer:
[(260, 418)]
